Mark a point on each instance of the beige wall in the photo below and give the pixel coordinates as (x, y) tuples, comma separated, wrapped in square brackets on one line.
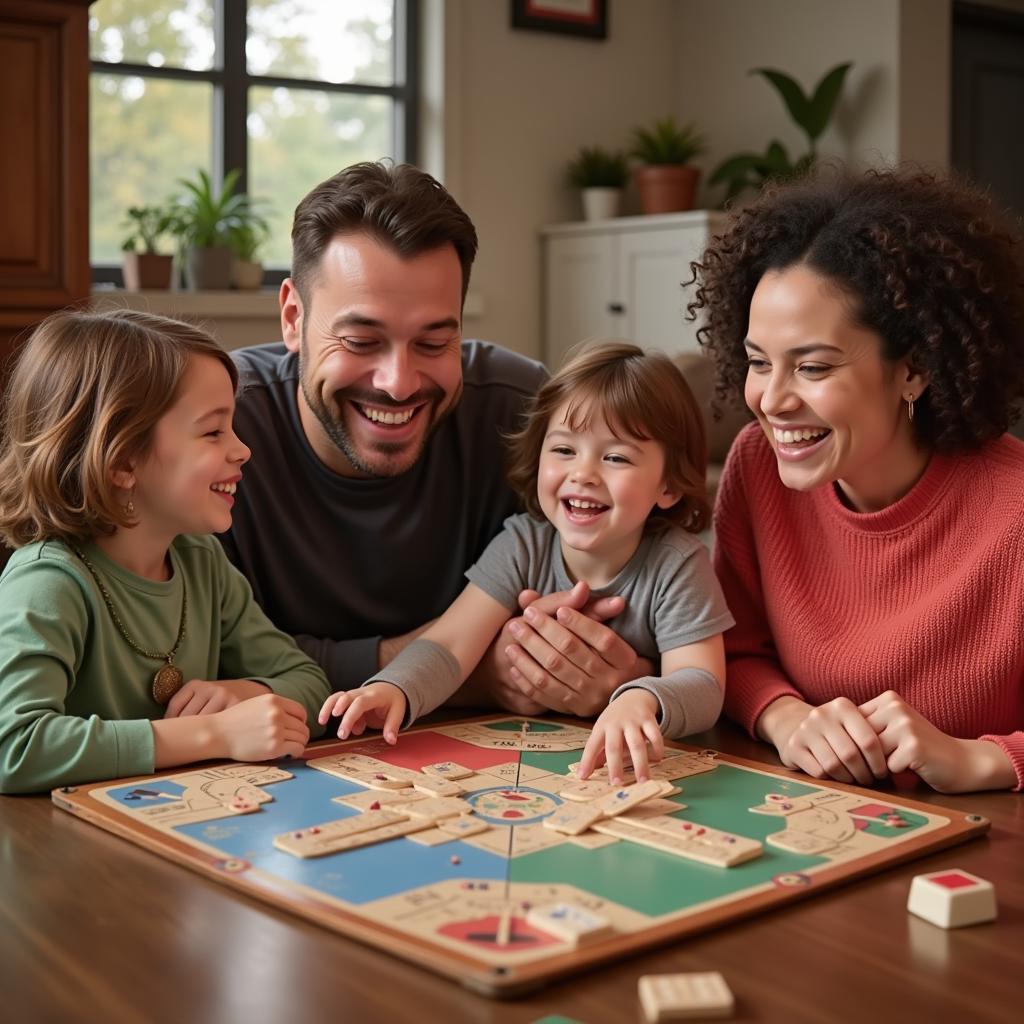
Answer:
[(505, 109)]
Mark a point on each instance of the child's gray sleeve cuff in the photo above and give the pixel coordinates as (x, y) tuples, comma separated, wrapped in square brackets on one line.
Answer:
[(690, 699), (426, 672)]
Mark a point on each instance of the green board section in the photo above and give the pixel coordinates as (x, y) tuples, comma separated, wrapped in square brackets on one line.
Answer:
[(656, 883), (514, 725)]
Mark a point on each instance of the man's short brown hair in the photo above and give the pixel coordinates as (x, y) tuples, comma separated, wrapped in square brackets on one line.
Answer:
[(399, 205)]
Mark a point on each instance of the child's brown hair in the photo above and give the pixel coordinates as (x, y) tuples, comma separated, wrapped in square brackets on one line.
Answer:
[(644, 395), (85, 398)]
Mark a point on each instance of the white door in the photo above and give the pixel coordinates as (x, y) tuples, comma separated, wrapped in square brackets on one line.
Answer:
[(578, 282), (652, 265)]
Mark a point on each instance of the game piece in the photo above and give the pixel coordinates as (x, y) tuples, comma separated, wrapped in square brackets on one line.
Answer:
[(656, 806), (569, 923), (572, 819), (348, 833), (589, 790), (437, 787), (592, 840), (464, 825), (431, 837), (364, 799), (952, 898), (438, 807), (685, 839), (447, 770), (626, 797), (684, 996), (455, 860)]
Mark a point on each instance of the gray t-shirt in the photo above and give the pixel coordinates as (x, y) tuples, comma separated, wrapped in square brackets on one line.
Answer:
[(339, 562), (671, 592)]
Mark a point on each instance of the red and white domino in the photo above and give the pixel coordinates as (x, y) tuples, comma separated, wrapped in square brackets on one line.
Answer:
[(952, 898)]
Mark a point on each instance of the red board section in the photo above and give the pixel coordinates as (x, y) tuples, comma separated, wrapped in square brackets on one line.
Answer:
[(415, 749)]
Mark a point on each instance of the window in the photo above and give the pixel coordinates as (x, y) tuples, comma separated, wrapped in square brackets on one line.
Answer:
[(288, 91)]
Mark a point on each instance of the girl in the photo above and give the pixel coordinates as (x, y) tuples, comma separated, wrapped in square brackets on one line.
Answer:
[(611, 468), (117, 458)]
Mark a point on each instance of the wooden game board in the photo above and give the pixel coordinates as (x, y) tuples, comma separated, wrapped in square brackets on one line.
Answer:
[(452, 867)]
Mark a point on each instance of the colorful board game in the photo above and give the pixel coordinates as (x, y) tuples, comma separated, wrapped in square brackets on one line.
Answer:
[(471, 849)]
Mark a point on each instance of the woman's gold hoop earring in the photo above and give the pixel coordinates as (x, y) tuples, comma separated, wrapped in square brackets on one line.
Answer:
[(910, 408)]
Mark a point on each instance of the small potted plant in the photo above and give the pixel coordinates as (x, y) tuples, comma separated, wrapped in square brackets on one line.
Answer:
[(600, 175), (246, 239), (667, 182), (146, 268), (203, 220)]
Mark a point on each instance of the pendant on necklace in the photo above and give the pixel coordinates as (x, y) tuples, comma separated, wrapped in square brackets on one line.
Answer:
[(166, 683)]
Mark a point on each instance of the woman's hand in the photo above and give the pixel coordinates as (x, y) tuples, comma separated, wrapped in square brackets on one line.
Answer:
[(379, 705), (833, 741), (208, 696), (631, 720), (948, 764)]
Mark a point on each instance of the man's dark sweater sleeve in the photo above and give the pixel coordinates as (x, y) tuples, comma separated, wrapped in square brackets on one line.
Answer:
[(346, 663)]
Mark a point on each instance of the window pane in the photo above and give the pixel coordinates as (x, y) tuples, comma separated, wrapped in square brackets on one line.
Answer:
[(175, 33), (145, 134), (298, 137), (322, 39)]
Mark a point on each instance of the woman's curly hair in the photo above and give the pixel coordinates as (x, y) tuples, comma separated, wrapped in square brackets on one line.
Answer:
[(929, 264)]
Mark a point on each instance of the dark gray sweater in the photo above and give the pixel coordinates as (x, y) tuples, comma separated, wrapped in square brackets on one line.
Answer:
[(341, 562)]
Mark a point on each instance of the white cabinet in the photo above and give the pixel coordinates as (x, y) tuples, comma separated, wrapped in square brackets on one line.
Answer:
[(623, 278)]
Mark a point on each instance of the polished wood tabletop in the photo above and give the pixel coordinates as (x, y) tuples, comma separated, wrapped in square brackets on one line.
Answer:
[(93, 928)]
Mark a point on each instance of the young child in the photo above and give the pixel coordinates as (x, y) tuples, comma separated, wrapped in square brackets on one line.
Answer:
[(611, 468), (116, 462)]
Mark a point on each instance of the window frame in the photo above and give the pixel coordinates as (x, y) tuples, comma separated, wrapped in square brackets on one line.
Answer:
[(231, 82)]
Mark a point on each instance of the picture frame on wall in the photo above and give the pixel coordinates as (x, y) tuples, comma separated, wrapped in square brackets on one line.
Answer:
[(587, 19)]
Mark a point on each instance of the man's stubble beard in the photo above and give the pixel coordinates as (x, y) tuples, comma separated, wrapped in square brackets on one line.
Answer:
[(337, 432)]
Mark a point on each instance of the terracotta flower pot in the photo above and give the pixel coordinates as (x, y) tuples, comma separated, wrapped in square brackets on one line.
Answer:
[(667, 189), (146, 270)]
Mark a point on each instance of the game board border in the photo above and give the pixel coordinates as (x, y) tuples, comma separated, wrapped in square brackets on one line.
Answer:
[(477, 975)]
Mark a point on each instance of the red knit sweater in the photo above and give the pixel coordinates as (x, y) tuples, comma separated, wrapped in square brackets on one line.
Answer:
[(925, 597)]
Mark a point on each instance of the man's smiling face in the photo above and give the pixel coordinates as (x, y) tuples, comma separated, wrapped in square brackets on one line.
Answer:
[(380, 353)]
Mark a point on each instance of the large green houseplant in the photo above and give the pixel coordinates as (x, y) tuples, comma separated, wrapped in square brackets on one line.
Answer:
[(204, 219), (142, 266), (600, 175), (667, 181)]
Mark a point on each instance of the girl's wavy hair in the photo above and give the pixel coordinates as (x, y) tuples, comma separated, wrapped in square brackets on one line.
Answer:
[(639, 394), (84, 399), (927, 263)]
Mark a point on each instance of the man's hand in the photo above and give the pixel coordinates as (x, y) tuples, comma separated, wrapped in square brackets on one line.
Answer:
[(208, 696), (948, 764), (833, 741), (524, 672)]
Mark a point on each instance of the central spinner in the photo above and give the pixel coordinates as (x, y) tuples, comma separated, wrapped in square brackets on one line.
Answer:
[(506, 806)]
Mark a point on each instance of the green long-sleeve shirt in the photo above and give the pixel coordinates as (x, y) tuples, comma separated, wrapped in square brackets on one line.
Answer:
[(75, 699)]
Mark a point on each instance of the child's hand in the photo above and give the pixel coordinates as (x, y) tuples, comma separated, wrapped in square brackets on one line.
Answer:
[(379, 705), (262, 728), (632, 718), (208, 696)]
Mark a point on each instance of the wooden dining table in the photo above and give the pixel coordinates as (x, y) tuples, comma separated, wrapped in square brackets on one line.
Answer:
[(93, 928)]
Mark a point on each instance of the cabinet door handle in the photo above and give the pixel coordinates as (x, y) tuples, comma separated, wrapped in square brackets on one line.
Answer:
[(616, 307)]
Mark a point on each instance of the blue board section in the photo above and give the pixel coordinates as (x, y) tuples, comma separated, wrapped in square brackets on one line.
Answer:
[(371, 873)]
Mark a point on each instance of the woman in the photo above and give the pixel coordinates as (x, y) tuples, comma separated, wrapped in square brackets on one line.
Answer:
[(870, 524)]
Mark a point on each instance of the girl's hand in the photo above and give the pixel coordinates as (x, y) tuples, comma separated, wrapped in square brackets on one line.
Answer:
[(833, 741), (208, 696), (265, 727), (950, 765), (379, 705), (631, 719)]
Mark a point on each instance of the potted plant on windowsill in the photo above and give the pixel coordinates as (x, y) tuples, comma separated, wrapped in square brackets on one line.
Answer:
[(667, 182), (600, 175), (148, 268), (246, 240), (203, 221)]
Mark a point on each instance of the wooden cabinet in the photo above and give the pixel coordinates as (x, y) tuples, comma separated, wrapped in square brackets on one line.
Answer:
[(622, 278), (44, 163)]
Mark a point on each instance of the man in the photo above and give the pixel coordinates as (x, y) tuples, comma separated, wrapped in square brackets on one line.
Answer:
[(377, 474)]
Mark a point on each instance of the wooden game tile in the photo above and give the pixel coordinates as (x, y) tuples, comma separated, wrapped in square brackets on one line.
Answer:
[(394, 798), (734, 849), (447, 770), (682, 766), (551, 783), (431, 837), (464, 825), (622, 798), (592, 840), (590, 790), (437, 786), (794, 841), (572, 819), (568, 922), (436, 808), (684, 996), (705, 849), (656, 806), (347, 834)]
